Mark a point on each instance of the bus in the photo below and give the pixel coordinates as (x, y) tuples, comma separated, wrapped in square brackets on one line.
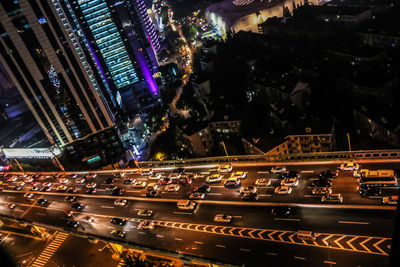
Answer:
[(378, 181), (372, 173)]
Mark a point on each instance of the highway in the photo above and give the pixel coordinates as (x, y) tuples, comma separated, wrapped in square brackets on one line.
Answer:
[(345, 236)]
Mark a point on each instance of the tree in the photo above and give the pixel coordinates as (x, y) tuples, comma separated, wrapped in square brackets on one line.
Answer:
[(189, 31)]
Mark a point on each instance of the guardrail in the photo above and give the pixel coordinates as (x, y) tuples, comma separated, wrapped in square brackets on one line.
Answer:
[(320, 156)]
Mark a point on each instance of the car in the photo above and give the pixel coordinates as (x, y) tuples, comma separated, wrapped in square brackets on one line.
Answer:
[(120, 202), (119, 174), (118, 192), (278, 169), (232, 182), (146, 224), (146, 172), (321, 191), (186, 205), (77, 206), (263, 182), (174, 175), (370, 191), (239, 174), (72, 190), (88, 219), (69, 213), (179, 170), (61, 188), (10, 205), (29, 196), (91, 191), (73, 176), (129, 181), (290, 182), (248, 189), (328, 174), (45, 189), (205, 188), (64, 180), (321, 182), (1, 182), (58, 175), (391, 200), (109, 180), (91, 175), (118, 221), (23, 175), (225, 168), (197, 195), (73, 224), (249, 196), (118, 233), (283, 211), (155, 176), (349, 166), (145, 213), (214, 178), (28, 179), (139, 184), (222, 218), (165, 181), (154, 193), (42, 201), (152, 186), (35, 184), (46, 184), (70, 198), (192, 175), (185, 181), (91, 185), (110, 188), (172, 188), (34, 188), (36, 175), (290, 174), (18, 187), (333, 198), (80, 180), (12, 179), (283, 190)]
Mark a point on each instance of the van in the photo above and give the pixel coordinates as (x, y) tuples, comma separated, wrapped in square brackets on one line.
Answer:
[(306, 235), (186, 205), (152, 187)]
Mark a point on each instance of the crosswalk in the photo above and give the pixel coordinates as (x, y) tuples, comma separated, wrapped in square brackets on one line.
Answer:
[(51, 248)]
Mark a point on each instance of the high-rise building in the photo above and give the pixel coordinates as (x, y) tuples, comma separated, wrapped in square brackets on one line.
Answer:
[(50, 70), (120, 44)]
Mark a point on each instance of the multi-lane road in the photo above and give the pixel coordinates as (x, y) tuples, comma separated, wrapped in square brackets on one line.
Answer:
[(356, 233)]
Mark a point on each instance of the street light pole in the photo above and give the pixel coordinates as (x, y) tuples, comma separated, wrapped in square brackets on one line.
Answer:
[(20, 167), (226, 151), (348, 141)]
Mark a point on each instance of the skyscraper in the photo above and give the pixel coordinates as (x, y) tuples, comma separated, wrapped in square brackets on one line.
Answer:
[(114, 36), (44, 61)]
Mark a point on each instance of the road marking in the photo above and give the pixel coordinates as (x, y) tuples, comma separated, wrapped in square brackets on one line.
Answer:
[(363, 242), (330, 262), (214, 194), (107, 207), (350, 222), (101, 190), (263, 172), (245, 249), (217, 186), (299, 258), (160, 236), (10, 196), (264, 195), (237, 216), (337, 241), (312, 196), (180, 212), (134, 191), (272, 254), (205, 173), (307, 171), (41, 214), (143, 233), (178, 239), (287, 219), (220, 246), (51, 248), (326, 238)]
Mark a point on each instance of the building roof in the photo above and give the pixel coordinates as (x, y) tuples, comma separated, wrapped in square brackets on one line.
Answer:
[(191, 126), (309, 126)]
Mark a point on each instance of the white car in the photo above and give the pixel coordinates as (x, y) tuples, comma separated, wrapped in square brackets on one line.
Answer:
[(174, 175), (290, 182), (197, 195), (88, 219), (155, 176), (139, 184), (278, 169), (334, 198), (73, 176), (222, 218), (120, 202), (240, 175), (23, 175), (145, 224), (28, 179), (80, 180), (321, 191), (172, 188), (215, 178), (392, 200), (248, 189), (263, 182), (232, 182), (225, 168), (91, 175), (146, 172), (64, 180), (119, 174), (91, 185), (145, 213), (283, 190), (21, 183), (349, 166), (12, 179)]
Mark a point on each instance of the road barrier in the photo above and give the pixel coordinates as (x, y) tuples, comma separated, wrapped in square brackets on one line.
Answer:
[(392, 155)]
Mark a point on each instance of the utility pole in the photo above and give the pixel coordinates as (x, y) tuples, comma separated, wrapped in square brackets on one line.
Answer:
[(348, 140), (226, 151), (20, 167)]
